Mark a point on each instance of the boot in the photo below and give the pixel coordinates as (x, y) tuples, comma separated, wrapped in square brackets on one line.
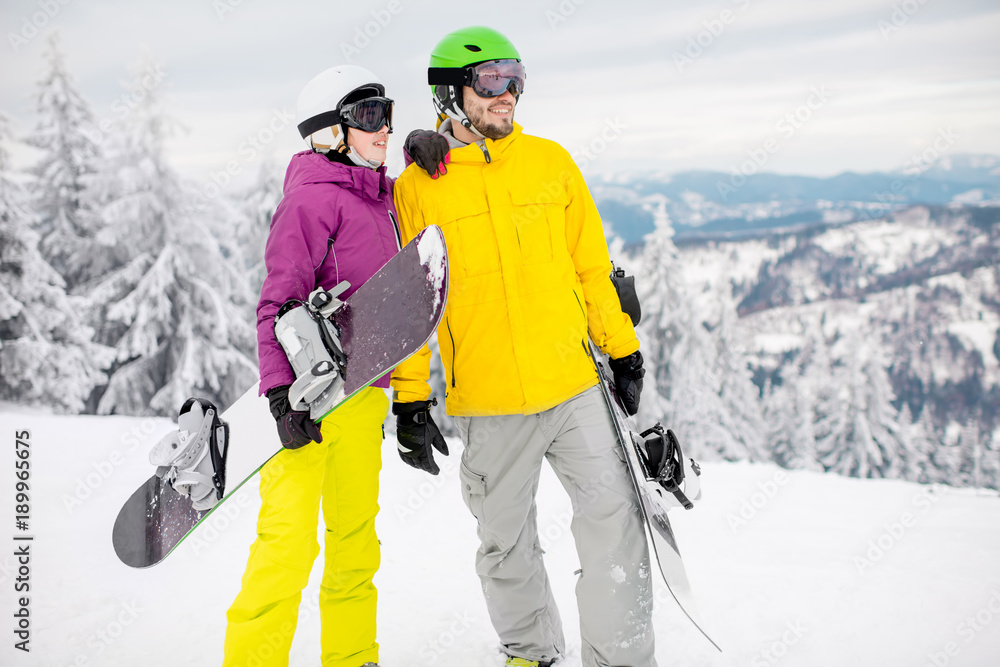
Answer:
[(524, 662)]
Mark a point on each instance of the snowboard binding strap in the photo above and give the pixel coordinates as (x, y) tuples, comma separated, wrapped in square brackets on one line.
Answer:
[(665, 462), (192, 459), (312, 344)]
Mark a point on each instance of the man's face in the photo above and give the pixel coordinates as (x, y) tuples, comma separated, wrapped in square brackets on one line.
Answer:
[(493, 116)]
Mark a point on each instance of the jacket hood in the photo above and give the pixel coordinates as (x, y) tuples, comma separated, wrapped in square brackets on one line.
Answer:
[(307, 168)]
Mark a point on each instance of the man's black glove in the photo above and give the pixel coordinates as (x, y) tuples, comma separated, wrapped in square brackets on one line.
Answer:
[(416, 432), (429, 150), (295, 428), (628, 373)]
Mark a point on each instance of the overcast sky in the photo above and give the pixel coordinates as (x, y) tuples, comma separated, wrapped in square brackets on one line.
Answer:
[(802, 86)]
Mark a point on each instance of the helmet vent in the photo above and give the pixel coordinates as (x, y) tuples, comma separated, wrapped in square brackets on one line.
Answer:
[(473, 48)]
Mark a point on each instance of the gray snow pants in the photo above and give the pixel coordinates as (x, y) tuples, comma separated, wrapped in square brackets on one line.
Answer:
[(499, 474)]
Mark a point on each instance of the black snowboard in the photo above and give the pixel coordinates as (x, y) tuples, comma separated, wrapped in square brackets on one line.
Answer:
[(388, 318)]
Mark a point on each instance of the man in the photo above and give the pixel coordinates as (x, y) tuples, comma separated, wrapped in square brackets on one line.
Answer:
[(529, 281)]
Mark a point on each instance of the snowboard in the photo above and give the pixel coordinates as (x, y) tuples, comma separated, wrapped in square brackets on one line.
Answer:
[(651, 500), (388, 318)]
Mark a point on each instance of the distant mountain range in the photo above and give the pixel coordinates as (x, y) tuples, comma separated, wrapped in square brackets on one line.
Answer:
[(904, 310), (706, 204)]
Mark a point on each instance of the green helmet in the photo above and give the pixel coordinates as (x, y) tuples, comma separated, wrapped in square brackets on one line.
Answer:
[(470, 46), (456, 51)]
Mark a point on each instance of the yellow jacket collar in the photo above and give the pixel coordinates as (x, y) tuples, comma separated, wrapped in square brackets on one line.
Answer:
[(474, 152)]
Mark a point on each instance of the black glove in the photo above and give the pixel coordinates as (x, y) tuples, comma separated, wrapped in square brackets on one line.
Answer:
[(416, 432), (429, 150), (628, 373), (295, 427)]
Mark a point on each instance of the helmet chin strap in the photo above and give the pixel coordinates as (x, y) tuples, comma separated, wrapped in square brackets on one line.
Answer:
[(457, 113), (467, 124), (343, 148), (360, 161), (353, 154)]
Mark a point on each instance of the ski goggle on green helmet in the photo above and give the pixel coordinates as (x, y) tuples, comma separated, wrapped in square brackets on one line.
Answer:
[(480, 58), (489, 79)]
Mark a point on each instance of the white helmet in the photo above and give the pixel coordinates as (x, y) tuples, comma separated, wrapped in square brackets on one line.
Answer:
[(318, 110)]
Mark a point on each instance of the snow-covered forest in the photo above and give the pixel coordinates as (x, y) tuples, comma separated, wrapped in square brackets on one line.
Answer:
[(895, 380), (124, 289)]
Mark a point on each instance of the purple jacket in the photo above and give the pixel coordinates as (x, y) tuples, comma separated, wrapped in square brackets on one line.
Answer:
[(334, 222)]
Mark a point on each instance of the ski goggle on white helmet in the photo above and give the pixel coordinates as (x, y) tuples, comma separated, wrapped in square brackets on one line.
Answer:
[(346, 95)]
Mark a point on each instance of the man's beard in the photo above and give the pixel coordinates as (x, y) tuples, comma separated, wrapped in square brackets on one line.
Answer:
[(482, 121)]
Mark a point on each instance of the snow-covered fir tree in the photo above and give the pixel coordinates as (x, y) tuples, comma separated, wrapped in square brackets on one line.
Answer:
[(788, 414), (946, 460), (46, 354), (805, 433), (172, 306), (251, 223), (858, 434), (656, 280), (917, 445), (971, 460), (240, 224), (743, 414), (64, 133), (701, 385), (926, 441), (991, 460)]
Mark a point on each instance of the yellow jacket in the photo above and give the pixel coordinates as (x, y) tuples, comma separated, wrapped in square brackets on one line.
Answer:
[(529, 278)]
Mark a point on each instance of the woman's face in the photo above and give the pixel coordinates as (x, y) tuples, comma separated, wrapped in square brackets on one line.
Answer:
[(369, 145)]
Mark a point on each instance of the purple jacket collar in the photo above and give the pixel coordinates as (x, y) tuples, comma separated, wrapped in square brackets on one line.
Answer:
[(309, 167)]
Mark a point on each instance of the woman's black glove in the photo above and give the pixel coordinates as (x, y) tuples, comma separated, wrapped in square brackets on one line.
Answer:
[(416, 433), (429, 150), (628, 372), (295, 427)]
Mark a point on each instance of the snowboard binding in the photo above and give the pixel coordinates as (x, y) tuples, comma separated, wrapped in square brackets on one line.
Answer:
[(192, 459), (664, 463), (312, 343)]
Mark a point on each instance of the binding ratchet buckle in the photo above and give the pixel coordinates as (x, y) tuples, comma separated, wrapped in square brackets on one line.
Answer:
[(664, 462), (192, 459), (312, 344)]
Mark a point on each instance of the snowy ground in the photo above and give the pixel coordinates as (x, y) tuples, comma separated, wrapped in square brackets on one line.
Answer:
[(796, 569)]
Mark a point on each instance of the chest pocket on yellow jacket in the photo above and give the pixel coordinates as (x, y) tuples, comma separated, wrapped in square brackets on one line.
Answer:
[(468, 232), (540, 222)]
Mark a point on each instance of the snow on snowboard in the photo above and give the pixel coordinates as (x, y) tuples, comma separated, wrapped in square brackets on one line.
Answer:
[(389, 318), (663, 479)]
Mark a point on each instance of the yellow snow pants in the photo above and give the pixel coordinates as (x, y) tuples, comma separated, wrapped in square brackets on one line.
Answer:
[(341, 474)]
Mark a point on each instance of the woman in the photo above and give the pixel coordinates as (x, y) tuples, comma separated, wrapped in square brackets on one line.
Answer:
[(336, 221)]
